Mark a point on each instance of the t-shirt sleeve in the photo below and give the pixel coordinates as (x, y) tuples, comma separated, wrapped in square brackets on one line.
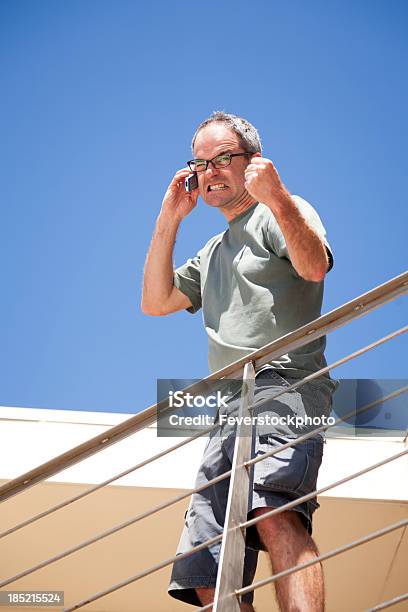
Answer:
[(187, 279), (277, 239)]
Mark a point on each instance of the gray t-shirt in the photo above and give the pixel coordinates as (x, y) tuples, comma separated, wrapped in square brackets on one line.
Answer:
[(251, 294)]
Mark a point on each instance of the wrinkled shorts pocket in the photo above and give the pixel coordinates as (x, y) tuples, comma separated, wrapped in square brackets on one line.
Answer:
[(293, 470)]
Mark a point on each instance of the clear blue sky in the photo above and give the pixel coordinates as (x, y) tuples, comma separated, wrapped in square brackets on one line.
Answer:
[(99, 101)]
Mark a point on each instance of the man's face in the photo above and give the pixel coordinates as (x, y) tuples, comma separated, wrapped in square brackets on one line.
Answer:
[(220, 187)]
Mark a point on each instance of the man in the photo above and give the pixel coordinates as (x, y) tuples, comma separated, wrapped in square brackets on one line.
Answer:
[(258, 280)]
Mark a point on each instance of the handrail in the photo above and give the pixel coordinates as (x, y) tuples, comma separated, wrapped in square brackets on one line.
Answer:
[(315, 329), (390, 602), (203, 432), (219, 478), (218, 538), (104, 483)]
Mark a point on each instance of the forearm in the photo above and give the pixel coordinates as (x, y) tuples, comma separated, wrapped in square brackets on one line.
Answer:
[(306, 249), (158, 270)]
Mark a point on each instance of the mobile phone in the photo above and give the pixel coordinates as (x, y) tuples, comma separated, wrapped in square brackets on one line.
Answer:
[(191, 182)]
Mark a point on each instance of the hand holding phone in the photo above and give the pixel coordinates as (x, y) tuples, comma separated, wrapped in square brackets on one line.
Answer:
[(177, 201), (191, 182)]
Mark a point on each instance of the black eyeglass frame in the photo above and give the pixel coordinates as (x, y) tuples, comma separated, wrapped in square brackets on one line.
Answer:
[(211, 161)]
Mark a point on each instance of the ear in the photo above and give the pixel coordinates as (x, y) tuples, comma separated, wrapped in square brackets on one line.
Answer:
[(256, 155)]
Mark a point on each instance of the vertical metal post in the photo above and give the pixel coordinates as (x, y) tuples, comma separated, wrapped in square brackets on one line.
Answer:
[(231, 562)]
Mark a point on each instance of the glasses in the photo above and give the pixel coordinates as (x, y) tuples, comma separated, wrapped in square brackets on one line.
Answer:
[(220, 161)]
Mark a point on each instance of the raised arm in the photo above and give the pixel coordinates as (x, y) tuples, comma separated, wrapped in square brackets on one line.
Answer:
[(159, 295), (305, 246)]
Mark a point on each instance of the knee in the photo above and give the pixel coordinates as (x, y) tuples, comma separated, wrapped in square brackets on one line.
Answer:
[(287, 524), (284, 520)]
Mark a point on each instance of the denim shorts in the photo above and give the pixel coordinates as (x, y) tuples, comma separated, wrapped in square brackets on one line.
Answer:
[(275, 481)]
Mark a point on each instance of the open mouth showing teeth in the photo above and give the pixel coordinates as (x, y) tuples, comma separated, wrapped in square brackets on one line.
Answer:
[(217, 187)]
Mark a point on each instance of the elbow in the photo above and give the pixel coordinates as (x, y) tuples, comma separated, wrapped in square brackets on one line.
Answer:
[(317, 278), (148, 309), (152, 311), (318, 272), (145, 309), (316, 275)]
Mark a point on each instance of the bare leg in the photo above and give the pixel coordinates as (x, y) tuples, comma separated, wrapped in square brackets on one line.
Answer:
[(206, 596), (289, 544)]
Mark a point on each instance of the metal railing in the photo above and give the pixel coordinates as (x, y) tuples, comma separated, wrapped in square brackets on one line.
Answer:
[(229, 580)]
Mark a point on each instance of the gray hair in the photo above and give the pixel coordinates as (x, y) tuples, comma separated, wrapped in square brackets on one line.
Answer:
[(247, 133)]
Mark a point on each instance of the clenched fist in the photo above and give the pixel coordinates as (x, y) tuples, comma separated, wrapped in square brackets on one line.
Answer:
[(263, 183)]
